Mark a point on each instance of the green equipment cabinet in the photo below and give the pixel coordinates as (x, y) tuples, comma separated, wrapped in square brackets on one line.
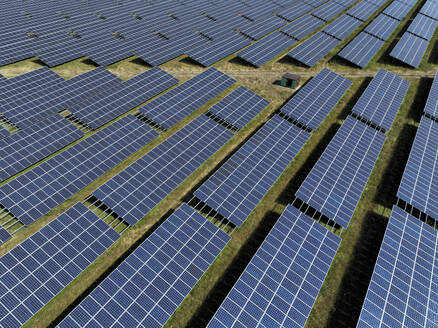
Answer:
[(290, 80)]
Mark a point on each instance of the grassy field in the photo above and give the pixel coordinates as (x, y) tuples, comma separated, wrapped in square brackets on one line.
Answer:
[(343, 292)]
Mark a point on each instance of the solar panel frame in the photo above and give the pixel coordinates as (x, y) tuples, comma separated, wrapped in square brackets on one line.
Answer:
[(35, 271), (382, 98), (402, 291), (420, 174), (281, 282), (361, 49), (312, 103), (336, 182), (410, 49), (149, 285)]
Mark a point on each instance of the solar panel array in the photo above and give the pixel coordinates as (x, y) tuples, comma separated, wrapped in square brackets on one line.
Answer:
[(137, 189), (239, 107), (382, 26), (420, 178), (431, 108), (382, 98), (403, 287), (423, 26), (180, 102), (410, 49), (29, 146), (312, 103), (361, 49), (267, 48), (430, 9), (95, 112), (303, 26), (342, 27), (314, 49), (37, 191), (397, 10), (149, 285), (35, 271), (363, 10), (237, 187), (328, 11), (280, 284), (4, 235), (336, 182)]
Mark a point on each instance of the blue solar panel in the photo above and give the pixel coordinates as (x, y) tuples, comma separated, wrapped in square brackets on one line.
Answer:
[(312, 103), (281, 282), (240, 184), (382, 26), (37, 191), (382, 99), (180, 102), (295, 10), (151, 178), (210, 53), (4, 235), (3, 132), (239, 107), (335, 184), (419, 181), (361, 49), (314, 49), (97, 111), (266, 49), (430, 9), (35, 271), (410, 49), (423, 26), (263, 26), (29, 146), (431, 107), (397, 10), (328, 11), (363, 10), (150, 284), (303, 26), (403, 287), (342, 27)]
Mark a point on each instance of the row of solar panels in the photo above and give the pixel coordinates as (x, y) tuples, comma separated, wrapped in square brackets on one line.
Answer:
[(418, 185), (170, 31), (410, 49), (336, 182)]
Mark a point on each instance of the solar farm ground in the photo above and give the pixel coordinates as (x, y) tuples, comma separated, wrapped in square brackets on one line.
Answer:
[(340, 300)]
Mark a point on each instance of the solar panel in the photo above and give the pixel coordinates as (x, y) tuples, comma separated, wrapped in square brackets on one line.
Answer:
[(150, 284), (210, 53), (239, 107), (382, 99), (312, 103), (266, 49), (335, 184), (180, 102), (328, 11), (240, 184), (420, 178), (294, 11), (345, 3), (3, 132), (363, 10), (423, 26), (281, 282), (37, 191), (95, 112), (35, 271), (410, 49), (361, 49), (382, 26), (29, 146), (151, 178), (4, 235), (263, 26), (431, 107), (303, 26), (397, 10), (430, 9), (403, 287), (342, 27), (314, 49)]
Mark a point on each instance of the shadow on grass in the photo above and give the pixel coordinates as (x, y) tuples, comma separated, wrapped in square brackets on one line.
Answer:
[(240, 61), (336, 60), (190, 61), (354, 285), (141, 62), (433, 58), (220, 290), (291, 61)]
